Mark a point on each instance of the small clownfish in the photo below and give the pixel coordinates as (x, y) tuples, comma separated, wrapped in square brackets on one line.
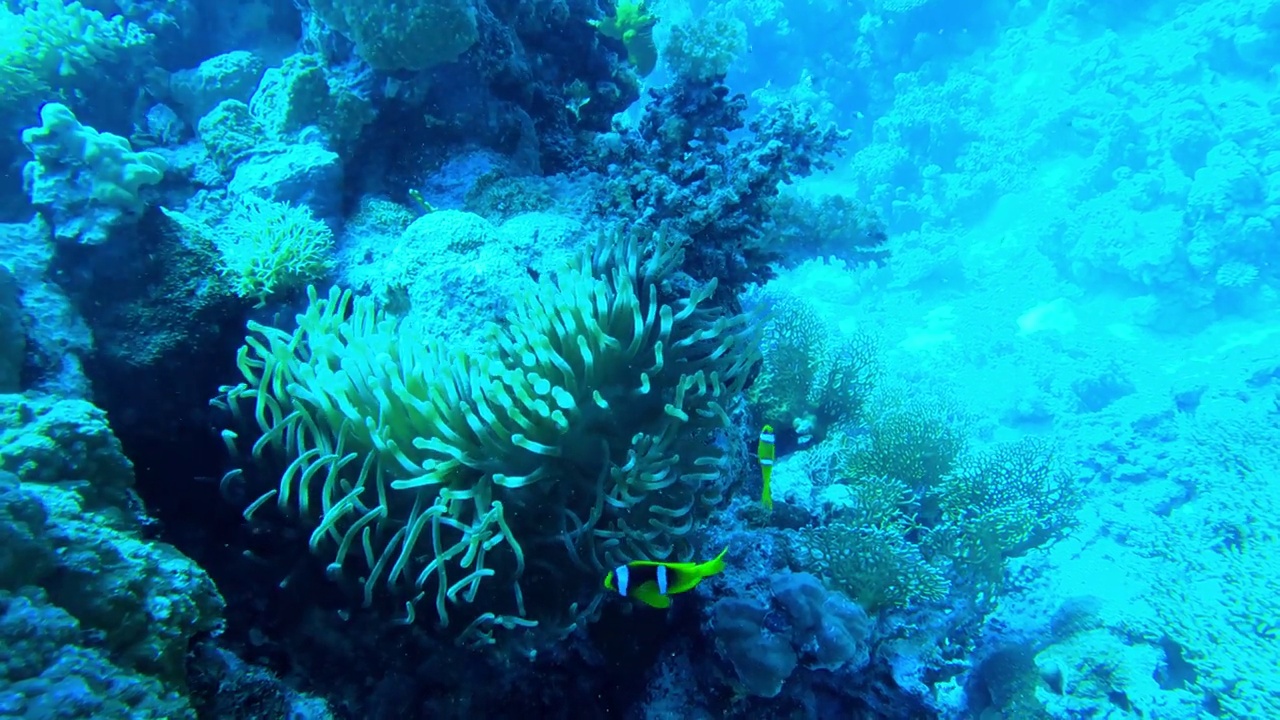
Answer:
[(765, 452), (653, 583)]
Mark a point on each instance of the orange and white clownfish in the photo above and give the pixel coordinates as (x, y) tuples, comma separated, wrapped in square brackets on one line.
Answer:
[(765, 452), (653, 583)]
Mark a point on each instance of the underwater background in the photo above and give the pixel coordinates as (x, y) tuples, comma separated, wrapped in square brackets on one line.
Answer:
[(352, 352)]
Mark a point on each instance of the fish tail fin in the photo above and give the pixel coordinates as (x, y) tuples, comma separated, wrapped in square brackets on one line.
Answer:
[(766, 493), (713, 567)]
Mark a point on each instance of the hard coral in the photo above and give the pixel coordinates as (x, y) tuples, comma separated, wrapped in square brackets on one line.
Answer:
[(812, 377), (680, 172), (929, 518), (264, 247), (394, 36), (1006, 501), (702, 50), (88, 182)]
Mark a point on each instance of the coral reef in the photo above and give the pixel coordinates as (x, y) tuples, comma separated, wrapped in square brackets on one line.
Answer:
[(89, 607), (496, 296)]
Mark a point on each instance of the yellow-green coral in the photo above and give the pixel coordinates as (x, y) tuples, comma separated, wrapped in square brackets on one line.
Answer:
[(910, 439), (264, 246), (632, 23), (576, 443), (876, 566), (927, 514), (269, 247), (866, 553), (812, 376), (1012, 497)]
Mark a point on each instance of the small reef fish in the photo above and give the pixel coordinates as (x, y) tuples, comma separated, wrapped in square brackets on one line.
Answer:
[(765, 452), (632, 23), (653, 583)]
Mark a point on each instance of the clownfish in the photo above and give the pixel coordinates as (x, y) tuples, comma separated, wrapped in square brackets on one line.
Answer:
[(653, 583), (765, 452)]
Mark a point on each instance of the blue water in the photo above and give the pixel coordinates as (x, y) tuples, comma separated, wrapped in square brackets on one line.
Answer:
[(991, 282)]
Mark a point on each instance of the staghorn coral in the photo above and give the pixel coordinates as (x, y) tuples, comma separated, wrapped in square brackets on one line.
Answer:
[(579, 441)]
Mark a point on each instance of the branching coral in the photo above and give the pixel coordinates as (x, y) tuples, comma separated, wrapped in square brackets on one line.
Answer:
[(265, 247), (876, 566), (928, 516), (812, 376), (913, 440), (578, 442), (679, 171), (830, 225), (1000, 503), (269, 247)]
